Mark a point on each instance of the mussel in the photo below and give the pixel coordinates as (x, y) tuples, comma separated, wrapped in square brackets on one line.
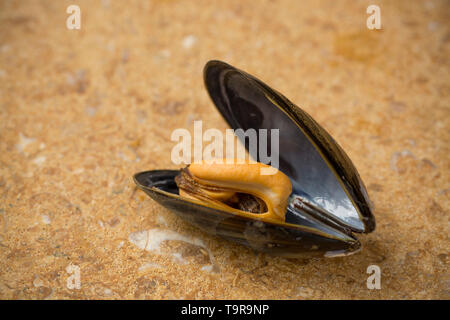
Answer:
[(311, 207), (237, 187)]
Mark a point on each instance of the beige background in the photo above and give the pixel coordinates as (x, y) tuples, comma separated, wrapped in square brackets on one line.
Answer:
[(81, 111)]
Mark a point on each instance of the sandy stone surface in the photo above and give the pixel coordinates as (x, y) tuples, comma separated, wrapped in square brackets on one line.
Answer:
[(82, 110)]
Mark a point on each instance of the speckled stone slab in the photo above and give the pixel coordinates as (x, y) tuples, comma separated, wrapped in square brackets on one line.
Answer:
[(82, 110)]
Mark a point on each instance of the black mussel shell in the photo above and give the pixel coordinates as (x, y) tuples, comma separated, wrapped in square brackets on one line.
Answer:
[(285, 240), (319, 169), (329, 201)]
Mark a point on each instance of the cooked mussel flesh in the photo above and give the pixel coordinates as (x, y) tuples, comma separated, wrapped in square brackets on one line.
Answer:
[(237, 186)]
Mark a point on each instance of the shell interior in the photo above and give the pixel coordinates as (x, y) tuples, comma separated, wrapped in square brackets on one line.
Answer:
[(320, 171)]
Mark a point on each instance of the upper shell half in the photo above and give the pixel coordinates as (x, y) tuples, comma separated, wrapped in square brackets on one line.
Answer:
[(328, 202)]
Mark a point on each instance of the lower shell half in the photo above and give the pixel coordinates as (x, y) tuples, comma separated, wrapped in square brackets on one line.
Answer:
[(300, 236)]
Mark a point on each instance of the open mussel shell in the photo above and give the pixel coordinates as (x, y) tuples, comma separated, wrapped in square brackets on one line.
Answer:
[(329, 202)]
